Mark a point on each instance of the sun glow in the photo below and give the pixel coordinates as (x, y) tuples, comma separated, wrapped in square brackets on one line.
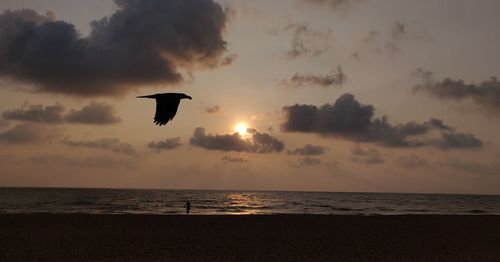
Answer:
[(241, 128)]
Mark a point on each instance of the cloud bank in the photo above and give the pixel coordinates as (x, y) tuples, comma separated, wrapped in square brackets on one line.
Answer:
[(143, 42), (349, 119), (95, 113)]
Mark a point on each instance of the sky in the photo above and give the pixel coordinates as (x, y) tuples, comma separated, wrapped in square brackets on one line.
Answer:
[(309, 95)]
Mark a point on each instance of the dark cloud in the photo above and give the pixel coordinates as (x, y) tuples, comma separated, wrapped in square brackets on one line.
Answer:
[(306, 41), (234, 159), (308, 150), (485, 95), (113, 144), (255, 142), (167, 144), (29, 133), (212, 109), (143, 42), (452, 140), (349, 119), (412, 161), (37, 113), (369, 156), (95, 113), (346, 116), (337, 78)]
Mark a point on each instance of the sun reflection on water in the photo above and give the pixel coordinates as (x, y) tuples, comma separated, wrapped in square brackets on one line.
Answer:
[(244, 203)]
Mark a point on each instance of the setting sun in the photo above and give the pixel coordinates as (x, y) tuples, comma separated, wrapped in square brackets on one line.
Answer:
[(241, 128)]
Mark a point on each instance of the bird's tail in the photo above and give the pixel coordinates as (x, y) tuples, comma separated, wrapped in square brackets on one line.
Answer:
[(149, 96)]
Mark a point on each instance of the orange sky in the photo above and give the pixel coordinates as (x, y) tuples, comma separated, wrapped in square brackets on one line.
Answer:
[(72, 119)]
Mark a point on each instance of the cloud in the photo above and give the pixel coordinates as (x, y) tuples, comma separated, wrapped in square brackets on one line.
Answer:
[(349, 119), (29, 133), (392, 47), (346, 116), (412, 161), (308, 150), (37, 113), (336, 5), (355, 56), (95, 113), (369, 156), (306, 41), (485, 95), (337, 78), (399, 30), (167, 144), (4, 124), (229, 60), (255, 142), (473, 167), (400, 35), (452, 140), (143, 42), (234, 159), (212, 109), (103, 161), (113, 144), (306, 161)]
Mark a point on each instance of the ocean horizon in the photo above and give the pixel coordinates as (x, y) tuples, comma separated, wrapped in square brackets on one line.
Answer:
[(29, 200)]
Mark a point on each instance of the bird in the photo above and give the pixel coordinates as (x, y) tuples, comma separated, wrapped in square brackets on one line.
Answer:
[(166, 106)]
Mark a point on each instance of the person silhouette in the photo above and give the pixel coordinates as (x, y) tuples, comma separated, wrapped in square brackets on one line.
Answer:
[(188, 207)]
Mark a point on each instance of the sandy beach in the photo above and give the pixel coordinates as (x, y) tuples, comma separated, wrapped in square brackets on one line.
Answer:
[(47, 237)]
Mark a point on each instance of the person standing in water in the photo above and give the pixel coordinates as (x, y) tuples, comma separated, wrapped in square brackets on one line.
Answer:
[(188, 207)]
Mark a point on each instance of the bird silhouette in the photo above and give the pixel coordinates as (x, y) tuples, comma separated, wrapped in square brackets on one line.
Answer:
[(166, 106)]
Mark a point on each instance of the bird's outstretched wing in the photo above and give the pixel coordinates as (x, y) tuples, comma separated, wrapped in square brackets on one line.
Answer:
[(166, 108)]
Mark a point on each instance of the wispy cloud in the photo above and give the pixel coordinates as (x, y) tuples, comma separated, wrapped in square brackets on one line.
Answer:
[(335, 78)]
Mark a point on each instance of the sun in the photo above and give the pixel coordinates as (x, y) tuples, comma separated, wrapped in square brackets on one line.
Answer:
[(241, 128)]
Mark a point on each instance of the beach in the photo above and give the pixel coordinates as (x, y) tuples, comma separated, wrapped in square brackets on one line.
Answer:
[(85, 237)]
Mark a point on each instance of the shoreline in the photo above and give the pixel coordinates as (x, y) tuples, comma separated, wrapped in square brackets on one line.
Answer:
[(84, 237)]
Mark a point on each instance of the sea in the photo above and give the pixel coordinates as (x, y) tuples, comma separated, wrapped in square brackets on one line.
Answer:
[(221, 202)]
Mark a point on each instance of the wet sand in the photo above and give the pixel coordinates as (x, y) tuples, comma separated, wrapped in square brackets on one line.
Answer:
[(248, 238)]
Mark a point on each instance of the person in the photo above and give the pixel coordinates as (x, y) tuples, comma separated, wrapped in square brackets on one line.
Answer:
[(187, 206)]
